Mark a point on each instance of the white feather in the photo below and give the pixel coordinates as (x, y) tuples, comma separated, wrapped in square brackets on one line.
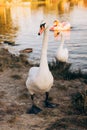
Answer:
[(62, 53), (40, 79)]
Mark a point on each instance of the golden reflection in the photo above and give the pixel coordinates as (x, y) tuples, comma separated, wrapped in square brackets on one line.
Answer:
[(5, 18), (61, 3), (85, 3), (7, 28), (59, 6), (10, 12)]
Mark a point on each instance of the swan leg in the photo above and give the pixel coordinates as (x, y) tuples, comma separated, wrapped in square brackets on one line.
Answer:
[(34, 109), (47, 103)]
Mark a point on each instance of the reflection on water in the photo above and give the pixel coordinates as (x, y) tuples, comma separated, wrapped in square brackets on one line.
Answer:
[(21, 23)]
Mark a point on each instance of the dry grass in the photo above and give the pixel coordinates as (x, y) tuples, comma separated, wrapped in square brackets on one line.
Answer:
[(69, 92), (62, 70)]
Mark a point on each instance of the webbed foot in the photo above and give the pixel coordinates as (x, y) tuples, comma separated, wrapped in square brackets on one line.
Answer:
[(50, 105), (34, 110)]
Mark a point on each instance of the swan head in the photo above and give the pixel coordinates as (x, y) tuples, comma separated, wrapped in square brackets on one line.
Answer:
[(55, 25), (43, 27), (59, 33)]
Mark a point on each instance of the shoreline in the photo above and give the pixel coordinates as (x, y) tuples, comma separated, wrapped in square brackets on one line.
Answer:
[(69, 93)]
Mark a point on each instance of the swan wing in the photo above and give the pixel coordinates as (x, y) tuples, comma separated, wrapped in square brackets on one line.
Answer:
[(30, 82), (62, 55)]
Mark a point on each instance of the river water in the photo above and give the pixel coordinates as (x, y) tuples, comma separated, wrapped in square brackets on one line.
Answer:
[(21, 24)]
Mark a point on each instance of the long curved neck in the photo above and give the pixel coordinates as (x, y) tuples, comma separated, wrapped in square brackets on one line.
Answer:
[(43, 61)]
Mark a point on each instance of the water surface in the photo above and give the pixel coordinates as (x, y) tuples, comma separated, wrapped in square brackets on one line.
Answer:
[(21, 24)]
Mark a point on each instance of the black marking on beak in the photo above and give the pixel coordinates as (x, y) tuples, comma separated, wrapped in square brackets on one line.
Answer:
[(58, 33)]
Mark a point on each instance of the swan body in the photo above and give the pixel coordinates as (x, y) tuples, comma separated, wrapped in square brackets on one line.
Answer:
[(40, 79), (62, 53), (66, 26), (63, 26)]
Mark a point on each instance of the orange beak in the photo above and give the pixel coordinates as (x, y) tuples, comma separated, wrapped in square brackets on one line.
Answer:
[(54, 27), (56, 33), (41, 30)]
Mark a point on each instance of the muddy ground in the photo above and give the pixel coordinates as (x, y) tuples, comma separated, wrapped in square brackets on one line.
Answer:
[(69, 93)]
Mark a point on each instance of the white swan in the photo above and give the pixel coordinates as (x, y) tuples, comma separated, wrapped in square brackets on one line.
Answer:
[(60, 26), (62, 53), (40, 79)]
